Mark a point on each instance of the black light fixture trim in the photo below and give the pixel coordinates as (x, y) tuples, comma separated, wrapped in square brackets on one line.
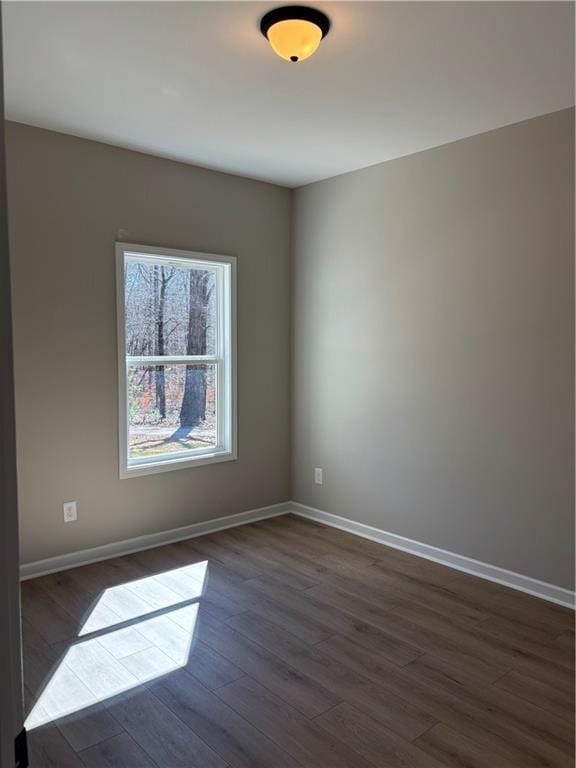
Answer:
[(300, 12)]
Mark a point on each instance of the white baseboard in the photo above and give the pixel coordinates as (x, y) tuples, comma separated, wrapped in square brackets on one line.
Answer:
[(510, 579), (128, 546)]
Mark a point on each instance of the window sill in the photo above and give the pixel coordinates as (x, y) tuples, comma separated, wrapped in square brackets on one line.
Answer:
[(137, 470)]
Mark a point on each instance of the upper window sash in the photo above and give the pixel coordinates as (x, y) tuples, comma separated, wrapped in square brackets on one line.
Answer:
[(192, 262)]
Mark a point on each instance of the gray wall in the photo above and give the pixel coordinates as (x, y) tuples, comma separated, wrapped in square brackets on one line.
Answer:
[(68, 198), (432, 342), (433, 347), (11, 709)]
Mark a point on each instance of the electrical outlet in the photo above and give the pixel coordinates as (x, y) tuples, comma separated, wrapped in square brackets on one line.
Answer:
[(70, 512), (318, 476)]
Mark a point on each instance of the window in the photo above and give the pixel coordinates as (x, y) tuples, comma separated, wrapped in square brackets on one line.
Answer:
[(176, 324)]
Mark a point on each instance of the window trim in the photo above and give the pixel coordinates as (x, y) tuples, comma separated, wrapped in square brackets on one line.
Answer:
[(227, 428)]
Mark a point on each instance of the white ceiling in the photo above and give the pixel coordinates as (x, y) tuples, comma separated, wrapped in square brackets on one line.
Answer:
[(195, 81)]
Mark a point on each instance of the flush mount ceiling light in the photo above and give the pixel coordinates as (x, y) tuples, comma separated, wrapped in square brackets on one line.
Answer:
[(295, 31)]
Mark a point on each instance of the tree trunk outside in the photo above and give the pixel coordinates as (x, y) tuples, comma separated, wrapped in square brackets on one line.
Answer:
[(193, 410)]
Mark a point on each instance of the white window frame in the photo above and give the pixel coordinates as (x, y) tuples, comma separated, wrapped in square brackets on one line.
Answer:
[(224, 359)]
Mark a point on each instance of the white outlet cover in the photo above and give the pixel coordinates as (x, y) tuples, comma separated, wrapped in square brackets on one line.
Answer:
[(70, 511), (318, 476)]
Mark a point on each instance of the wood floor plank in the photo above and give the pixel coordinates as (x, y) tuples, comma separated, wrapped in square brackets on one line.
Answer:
[(216, 603), (215, 568), (41, 659), (454, 668), (265, 561), (218, 725), (372, 585), (417, 589), (110, 573), (404, 564), (341, 541), (507, 653), (510, 629), (457, 751), (377, 744), (313, 548), (341, 544), (396, 713), (84, 729), (482, 722), (430, 642), (161, 734), (70, 593), (369, 611), (294, 616), (303, 739), (48, 618), (211, 668), (373, 611), (160, 559), (49, 749), (558, 702), (336, 622), (286, 643), (314, 554), (92, 579), (519, 712), (511, 604), (565, 641), (391, 558), (521, 637), (210, 548), (118, 752), (289, 558), (291, 684)]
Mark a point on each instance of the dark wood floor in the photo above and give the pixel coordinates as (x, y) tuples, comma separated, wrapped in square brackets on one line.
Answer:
[(283, 644)]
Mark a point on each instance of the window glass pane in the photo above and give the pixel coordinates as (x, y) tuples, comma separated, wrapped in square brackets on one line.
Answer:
[(171, 410), (170, 310)]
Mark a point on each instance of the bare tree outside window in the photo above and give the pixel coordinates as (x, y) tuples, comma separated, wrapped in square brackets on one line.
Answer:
[(200, 290), (170, 311)]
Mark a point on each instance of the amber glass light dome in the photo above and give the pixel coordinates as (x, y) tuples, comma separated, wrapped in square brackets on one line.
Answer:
[(294, 32)]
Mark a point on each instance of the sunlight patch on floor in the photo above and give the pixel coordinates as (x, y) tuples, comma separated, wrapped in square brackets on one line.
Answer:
[(134, 599), (118, 659)]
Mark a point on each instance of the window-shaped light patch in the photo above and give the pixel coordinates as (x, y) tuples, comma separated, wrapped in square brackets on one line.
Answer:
[(137, 632)]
